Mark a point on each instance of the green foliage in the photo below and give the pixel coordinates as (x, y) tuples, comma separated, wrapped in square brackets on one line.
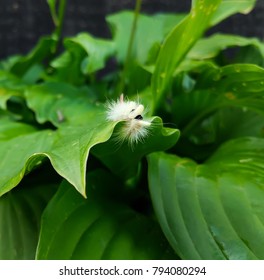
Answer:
[(219, 205), (192, 189), (99, 227)]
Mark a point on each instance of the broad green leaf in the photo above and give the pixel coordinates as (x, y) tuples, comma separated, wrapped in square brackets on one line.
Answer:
[(67, 148), (67, 67), (63, 104), (84, 55), (43, 50), (97, 51), (10, 129), (123, 159), (225, 102), (99, 227), (20, 214), (178, 43), (7, 63), (150, 30), (230, 7), (212, 210), (81, 125), (10, 86), (236, 85), (207, 48)]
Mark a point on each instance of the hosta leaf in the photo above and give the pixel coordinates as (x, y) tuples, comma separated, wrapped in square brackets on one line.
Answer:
[(100, 227), (43, 50), (212, 210), (10, 86), (81, 125), (178, 43), (122, 158), (236, 85), (67, 148), (9, 129), (20, 213), (84, 55), (209, 47), (230, 7), (121, 26), (97, 51), (63, 104)]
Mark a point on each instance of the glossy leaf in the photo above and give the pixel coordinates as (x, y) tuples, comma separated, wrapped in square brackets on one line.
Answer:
[(230, 7), (10, 86), (178, 43), (209, 47), (67, 149), (20, 213), (84, 56), (100, 227), (121, 24), (236, 85), (97, 51), (123, 159), (43, 50), (10, 129), (63, 104), (214, 210), (81, 126)]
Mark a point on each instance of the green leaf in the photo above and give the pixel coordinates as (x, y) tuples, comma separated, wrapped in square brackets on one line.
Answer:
[(43, 50), (10, 129), (123, 159), (97, 51), (81, 125), (20, 213), (235, 85), (100, 227), (212, 210), (230, 7), (178, 43), (10, 86), (84, 55), (207, 48), (63, 104), (67, 148), (121, 24)]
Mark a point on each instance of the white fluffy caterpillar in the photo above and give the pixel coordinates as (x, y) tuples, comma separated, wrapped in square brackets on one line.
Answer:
[(135, 129)]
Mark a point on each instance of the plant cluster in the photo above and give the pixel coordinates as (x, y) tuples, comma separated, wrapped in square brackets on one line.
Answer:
[(193, 188)]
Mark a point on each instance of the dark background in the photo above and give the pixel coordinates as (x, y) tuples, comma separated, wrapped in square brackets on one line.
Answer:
[(22, 22)]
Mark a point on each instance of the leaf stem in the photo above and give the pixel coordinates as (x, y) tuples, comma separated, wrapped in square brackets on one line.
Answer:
[(59, 22), (130, 45)]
